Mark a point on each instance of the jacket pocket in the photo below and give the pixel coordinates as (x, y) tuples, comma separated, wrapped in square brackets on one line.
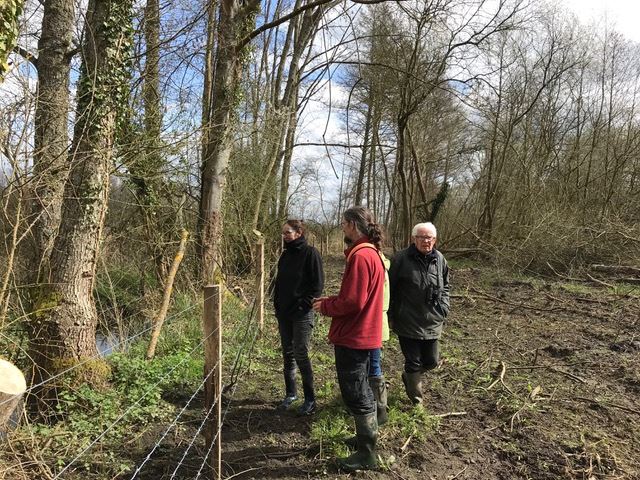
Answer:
[(440, 309)]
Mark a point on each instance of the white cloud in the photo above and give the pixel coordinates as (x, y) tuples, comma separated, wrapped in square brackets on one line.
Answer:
[(623, 15)]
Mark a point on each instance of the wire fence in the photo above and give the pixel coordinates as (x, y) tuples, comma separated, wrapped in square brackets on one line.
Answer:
[(131, 407), (243, 338), (88, 359)]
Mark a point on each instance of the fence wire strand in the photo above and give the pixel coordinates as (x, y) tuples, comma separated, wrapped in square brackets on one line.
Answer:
[(93, 357), (105, 431)]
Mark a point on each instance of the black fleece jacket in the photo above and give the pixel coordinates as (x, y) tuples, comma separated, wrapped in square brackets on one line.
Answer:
[(299, 280)]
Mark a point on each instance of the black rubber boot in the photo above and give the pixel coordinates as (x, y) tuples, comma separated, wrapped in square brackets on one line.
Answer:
[(365, 456), (413, 386), (379, 389)]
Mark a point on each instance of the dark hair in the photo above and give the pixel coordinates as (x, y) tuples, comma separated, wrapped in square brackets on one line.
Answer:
[(365, 223), (297, 225)]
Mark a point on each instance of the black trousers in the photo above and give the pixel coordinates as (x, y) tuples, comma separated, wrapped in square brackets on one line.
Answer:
[(352, 368), (419, 355), (295, 336)]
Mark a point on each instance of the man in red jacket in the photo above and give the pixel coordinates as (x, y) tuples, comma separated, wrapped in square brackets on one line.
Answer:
[(356, 328)]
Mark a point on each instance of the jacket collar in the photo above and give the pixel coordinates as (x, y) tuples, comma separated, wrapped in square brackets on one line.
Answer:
[(296, 244), (430, 257)]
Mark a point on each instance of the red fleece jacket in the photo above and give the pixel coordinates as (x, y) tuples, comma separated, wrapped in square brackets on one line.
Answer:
[(357, 310)]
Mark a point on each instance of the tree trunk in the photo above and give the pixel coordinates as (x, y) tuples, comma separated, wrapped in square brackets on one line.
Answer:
[(147, 172), (363, 159), (64, 322), (162, 314), (9, 15), (283, 198), (51, 140), (404, 214), (236, 20)]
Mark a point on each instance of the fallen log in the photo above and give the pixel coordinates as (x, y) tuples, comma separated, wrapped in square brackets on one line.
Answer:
[(617, 269), (12, 387), (462, 252)]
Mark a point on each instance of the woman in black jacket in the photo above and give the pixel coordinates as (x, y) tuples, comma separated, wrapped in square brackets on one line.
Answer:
[(299, 280)]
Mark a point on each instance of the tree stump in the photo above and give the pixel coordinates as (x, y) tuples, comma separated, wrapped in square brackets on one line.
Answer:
[(12, 387)]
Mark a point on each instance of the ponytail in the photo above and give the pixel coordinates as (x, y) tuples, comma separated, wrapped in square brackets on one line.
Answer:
[(365, 223)]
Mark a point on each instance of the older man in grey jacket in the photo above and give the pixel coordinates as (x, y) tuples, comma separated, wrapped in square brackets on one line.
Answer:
[(419, 305)]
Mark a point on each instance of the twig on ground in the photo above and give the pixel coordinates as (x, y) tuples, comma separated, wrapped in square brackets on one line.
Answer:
[(549, 367), (607, 404), (449, 414), (565, 277), (568, 374), (593, 279), (621, 269), (243, 472), (513, 304), (295, 453), (495, 334), (458, 474), (500, 378), (406, 443)]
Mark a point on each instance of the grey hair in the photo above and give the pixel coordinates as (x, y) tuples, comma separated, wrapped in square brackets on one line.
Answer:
[(427, 225)]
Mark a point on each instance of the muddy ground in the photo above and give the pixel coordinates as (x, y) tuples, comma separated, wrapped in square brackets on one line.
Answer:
[(540, 380)]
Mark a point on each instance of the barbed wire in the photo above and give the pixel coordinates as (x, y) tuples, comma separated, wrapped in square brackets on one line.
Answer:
[(249, 317), (195, 436), (226, 411), (173, 424), (236, 366), (106, 430), (93, 357), (215, 437)]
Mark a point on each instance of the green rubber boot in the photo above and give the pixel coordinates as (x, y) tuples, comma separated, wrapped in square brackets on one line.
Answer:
[(379, 389), (413, 386), (365, 457)]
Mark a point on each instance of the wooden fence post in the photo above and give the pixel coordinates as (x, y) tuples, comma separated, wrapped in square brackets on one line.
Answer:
[(212, 326), (260, 282)]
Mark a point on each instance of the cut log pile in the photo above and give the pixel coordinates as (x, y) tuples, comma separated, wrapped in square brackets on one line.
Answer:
[(12, 387)]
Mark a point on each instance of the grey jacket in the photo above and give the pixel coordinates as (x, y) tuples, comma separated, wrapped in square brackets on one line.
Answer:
[(419, 299)]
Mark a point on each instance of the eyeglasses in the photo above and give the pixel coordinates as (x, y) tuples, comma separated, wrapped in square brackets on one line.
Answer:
[(424, 238)]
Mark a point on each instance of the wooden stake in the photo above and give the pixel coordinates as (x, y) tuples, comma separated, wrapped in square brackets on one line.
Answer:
[(162, 314), (212, 326), (260, 282)]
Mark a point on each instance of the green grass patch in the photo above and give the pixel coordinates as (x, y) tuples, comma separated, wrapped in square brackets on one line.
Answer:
[(415, 422), (330, 429), (579, 288)]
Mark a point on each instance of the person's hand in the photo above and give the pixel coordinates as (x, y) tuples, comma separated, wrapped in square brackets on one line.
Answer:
[(317, 303)]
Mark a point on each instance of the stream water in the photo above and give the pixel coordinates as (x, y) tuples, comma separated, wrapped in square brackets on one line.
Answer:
[(107, 344)]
